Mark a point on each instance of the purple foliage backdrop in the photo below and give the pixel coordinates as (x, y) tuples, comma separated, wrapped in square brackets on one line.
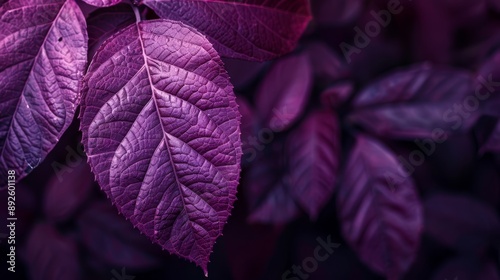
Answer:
[(370, 149)]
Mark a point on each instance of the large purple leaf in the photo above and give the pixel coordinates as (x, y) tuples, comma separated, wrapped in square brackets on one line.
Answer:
[(112, 239), (415, 102), (43, 52), (49, 255), (454, 220), (379, 209), (161, 129), (102, 3), (284, 92), (314, 151), (248, 29)]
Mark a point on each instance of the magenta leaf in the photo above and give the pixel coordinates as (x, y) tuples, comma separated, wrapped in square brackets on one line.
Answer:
[(103, 23), (161, 129), (66, 191), (379, 209), (49, 255), (283, 94), (314, 151), (415, 102), (454, 220), (102, 3), (43, 51), (335, 96), (113, 240), (248, 29)]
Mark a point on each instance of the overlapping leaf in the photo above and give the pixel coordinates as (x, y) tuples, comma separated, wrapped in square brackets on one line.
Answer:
[(314, 152), (43, 51), (283, 94), (103, 23), (249, 29), (415, 102), (379, 209), (160, 127)]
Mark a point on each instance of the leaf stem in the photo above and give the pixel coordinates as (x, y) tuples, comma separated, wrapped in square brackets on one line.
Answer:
[(137, 14)]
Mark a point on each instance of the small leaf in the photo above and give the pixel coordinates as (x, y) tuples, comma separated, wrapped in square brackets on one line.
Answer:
[(102, 3), (335, 96), (283, 94), (326, 64), (248, 29), (379, 209), (414, 102), (314, 151), (161, 129), (49, 255), (43, 51)]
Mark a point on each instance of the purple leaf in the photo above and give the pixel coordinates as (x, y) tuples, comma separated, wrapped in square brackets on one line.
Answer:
[(326, 64), (103, 23), (161, 129), (111, 239), (43, 53), (379, 209), (336, 95), (283, 94), (314, 151), (102, 3), (66, 191), (247, 29), (49, 255), (454, 220), (416, 102)]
